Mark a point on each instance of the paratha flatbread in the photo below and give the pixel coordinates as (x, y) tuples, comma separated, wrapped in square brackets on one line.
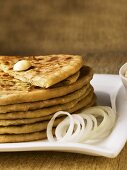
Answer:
[(45, 71), (15, 91), (28, 128), (7, 122), (76, 108), (46, 103), (31, 136), (50, 110), (6, 138), (69, 80)]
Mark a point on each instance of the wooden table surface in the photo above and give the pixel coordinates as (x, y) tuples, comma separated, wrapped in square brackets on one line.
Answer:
[(59, 160)]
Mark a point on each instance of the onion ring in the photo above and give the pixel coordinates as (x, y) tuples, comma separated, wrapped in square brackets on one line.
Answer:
[(85, 127), (50, 125)]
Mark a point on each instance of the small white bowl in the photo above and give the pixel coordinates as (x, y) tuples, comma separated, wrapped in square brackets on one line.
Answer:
[(122, 71)]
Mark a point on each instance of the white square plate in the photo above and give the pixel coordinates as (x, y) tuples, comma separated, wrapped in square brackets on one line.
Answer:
[(110, 91)]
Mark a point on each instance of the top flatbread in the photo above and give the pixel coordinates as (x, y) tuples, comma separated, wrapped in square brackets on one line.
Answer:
[(45, 71), (15, 91)]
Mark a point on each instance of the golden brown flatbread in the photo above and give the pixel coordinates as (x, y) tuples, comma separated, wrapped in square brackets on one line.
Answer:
[(28, 128), (45, 71), (6, 138), (46, 103), (71, 107), (15, 91), (24, 137)]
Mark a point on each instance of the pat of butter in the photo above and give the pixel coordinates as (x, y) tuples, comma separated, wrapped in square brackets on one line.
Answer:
[(22, 65)]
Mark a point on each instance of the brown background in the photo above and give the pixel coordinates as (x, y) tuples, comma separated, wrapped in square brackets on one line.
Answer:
[(96, 29), (35, 27)]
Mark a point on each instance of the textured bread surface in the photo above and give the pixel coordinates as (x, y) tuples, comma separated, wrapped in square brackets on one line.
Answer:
[(81, 104), (46, 103), (45, 70), (15, 91), (47, 111)]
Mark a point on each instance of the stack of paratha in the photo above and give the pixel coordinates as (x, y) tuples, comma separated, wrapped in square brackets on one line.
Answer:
[(29, 98)]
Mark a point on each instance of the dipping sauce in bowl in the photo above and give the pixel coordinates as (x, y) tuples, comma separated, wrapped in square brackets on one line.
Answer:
[(123, 74)]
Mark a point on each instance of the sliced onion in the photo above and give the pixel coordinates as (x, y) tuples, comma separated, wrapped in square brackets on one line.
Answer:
[(50, 125), (104, 127), (83, 127), (88, 126), (99, 130), (63, 126)]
